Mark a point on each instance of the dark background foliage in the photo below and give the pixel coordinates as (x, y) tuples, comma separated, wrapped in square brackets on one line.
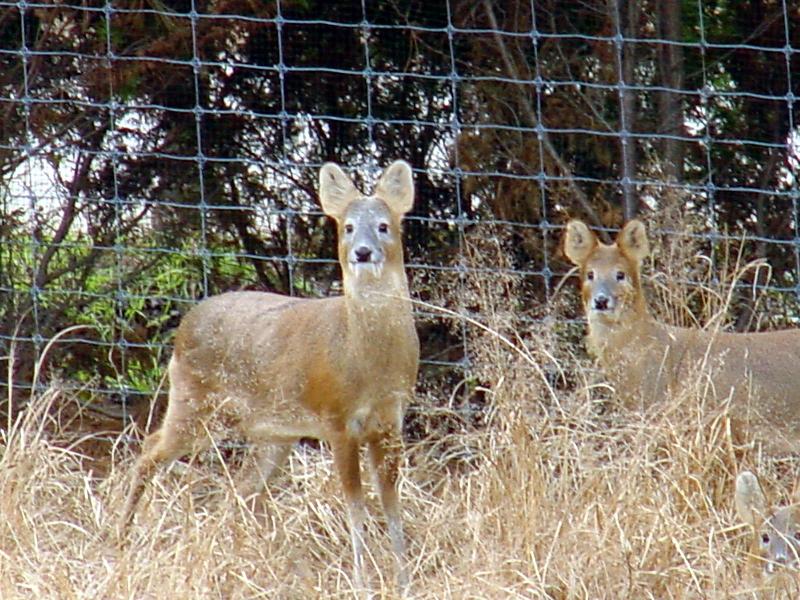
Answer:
[(154, 152)]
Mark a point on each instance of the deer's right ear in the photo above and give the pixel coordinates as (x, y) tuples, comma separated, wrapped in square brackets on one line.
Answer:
[(633, 240), (336, 190), (579, 241), (396, 187), (750, 502)]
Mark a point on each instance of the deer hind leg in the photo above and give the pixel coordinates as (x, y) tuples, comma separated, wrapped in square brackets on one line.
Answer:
[(160, 447), (177, 435), (346, 461), (259, 467), (385, 454)]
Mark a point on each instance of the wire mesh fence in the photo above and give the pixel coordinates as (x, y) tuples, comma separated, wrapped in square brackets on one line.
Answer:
[(156, 152)]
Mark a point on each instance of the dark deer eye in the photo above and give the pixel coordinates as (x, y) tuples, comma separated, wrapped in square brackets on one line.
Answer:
[(590, 276), (765, 538), (383, 227), (620, 275), (797, 535), (348, 228)]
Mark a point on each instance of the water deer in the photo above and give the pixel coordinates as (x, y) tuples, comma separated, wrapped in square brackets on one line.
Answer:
[(775, 533), (647, 361), (274, 369)]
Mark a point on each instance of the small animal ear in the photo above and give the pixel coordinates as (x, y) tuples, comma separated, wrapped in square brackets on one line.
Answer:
[(336, 190), (632, 240), (579, 241), (396, 187), (751, 505)]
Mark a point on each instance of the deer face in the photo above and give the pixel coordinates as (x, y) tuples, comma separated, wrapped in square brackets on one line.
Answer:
[(609, 284), (610, 281), (369, 234), (778, 540), (776, 532)]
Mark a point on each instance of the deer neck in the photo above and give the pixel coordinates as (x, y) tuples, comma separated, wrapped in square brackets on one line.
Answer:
[(607, 338), (377, 304)]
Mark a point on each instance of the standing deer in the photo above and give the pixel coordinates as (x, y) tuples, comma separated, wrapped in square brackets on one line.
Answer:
[(775, 541), (278, 369), (647, 361)]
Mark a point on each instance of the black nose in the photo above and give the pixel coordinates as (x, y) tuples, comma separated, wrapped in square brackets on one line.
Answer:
[(363, 253), (601, 303)]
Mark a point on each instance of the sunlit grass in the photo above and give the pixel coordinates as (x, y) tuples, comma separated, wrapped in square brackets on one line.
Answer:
[(558, 493)]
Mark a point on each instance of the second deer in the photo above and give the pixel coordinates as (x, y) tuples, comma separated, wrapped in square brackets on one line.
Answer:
[(775, 533), (276, 369), (647, 361)]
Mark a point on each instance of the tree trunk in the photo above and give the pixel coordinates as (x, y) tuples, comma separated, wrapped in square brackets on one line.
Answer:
[(625, 17), (670, 105)]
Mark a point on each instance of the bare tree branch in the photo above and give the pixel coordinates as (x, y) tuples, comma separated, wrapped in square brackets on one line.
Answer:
[(530, 116)]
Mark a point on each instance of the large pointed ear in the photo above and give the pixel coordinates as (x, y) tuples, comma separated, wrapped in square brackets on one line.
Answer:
[(336, 190), (396, 187), (751, 505), (632, 240), (579, 241)]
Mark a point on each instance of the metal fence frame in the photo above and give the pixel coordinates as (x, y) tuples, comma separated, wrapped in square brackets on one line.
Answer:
[(28, 192)]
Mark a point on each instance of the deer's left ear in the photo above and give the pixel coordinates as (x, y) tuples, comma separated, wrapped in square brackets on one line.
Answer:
[(750, 501), (336, 190), (396, 187), (632, 240), (579, 241)]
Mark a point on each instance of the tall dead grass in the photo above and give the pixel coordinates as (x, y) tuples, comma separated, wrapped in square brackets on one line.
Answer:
[(555, 491)]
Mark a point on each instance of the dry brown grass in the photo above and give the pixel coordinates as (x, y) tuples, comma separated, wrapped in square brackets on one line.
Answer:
[(559, 493)]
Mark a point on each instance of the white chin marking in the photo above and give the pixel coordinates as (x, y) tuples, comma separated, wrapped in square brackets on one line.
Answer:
[(362, 269)]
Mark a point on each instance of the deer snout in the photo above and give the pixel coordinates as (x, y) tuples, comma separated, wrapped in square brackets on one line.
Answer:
[(363, 254), (773, 565), (601, 302), (778, 561)]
